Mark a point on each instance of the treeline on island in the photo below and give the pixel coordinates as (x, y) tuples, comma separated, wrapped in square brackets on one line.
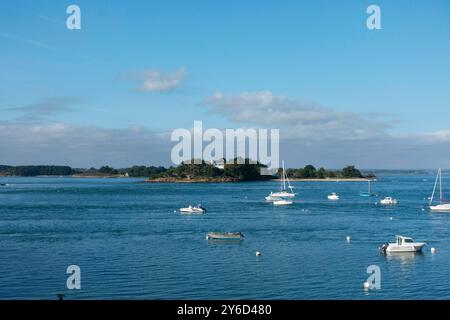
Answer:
[(244, 170), (105, 171), (310, 172), (30, 171)]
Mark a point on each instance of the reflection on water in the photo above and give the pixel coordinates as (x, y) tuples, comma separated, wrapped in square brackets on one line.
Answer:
[(404, 257), (404, 262)]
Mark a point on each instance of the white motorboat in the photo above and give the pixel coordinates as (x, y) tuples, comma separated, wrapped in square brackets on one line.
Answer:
[(283, 193), (282, 202), (443, 206), (333, 196), (402, 244), (389, 201), (225, 236), (195, 209)]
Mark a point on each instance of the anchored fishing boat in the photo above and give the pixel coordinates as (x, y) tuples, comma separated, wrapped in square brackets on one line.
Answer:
[(402, 244), (225, 236)]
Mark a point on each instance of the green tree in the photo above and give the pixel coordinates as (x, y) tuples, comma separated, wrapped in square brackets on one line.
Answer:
[(351, 172), (321, 173), (107, 170), (309, 171)]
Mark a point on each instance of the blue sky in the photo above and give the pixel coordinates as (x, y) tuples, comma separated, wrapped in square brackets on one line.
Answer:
[(56, 84)]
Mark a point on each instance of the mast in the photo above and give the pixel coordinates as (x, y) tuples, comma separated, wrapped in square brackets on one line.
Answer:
[(440, 186), (281, 179), (435, 185), (289, 183), (284, 177)]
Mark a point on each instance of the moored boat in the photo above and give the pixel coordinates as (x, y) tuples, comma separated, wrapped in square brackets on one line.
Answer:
[(225, 236), (443, 205), (282, 202), (191, 209), (333, 196), (388, 201), (283, 193), (369, 192), (402, 244)]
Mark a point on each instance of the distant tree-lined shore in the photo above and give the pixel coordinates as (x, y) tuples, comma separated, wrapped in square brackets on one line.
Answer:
[(246, 170), (310, 172)]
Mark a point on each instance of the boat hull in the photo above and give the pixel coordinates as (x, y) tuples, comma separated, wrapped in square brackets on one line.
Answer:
[(441, 208), (225, 236), (412, 247), (192, 210), (282, 202), (365, 194), (388, 202)]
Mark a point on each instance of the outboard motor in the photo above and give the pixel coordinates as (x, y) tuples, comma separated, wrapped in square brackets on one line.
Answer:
[(384, 247)]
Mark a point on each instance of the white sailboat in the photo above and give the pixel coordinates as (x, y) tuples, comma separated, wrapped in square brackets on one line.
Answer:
[(369, 192), (442, 206), (283, 193)]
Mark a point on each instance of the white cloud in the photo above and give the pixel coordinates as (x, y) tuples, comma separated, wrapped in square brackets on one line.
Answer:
[(157, 81), (310, 133), (81, 146), (296, 119), (438, 136), (46, 107)]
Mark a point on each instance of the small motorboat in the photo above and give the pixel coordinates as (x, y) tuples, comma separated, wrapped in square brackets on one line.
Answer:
[(191, 209), (388, 201), (333, 196), (225, 236), (282, 202), (403, 244)]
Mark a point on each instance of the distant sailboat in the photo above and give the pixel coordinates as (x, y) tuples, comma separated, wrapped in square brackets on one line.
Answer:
[(283, 193), (443, 206), (369, 191)]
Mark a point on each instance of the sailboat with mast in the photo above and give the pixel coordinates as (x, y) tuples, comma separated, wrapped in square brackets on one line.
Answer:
[(369, 192), (283, 193), (443, 206)]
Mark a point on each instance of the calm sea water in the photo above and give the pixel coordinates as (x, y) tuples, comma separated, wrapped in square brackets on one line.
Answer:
[(131, 244)]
